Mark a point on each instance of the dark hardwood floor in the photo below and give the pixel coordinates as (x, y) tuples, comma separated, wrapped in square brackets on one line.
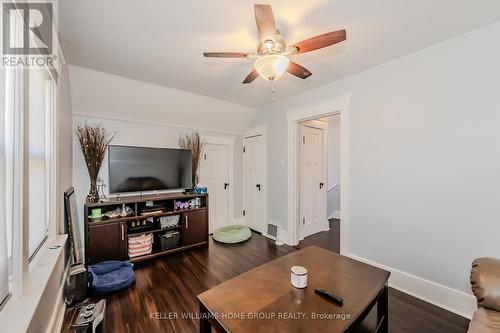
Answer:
[(329, 240), (168, 287)]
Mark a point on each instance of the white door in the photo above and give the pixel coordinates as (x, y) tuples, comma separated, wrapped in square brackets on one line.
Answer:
[(254, 182), (214, 174), (312, 174)]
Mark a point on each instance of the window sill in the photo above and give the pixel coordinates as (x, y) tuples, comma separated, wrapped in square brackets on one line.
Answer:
[(18, 312)]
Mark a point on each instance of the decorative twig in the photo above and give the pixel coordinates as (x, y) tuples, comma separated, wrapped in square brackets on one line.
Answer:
[(93, 141), (192, 142)]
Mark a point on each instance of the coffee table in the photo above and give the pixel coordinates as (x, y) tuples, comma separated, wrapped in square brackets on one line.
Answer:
[(263, 300)]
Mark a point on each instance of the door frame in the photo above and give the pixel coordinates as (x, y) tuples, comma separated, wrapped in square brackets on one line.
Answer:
[(258, 131), (225, 141), (294, 117), (323, 126)]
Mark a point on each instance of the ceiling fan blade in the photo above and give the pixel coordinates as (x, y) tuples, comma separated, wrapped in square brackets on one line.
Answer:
[(320, 41), (298, 70), (265, 22), (252, 76), (225, 54)]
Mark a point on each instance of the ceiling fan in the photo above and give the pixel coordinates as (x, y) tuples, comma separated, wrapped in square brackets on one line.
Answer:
[(272, 51)]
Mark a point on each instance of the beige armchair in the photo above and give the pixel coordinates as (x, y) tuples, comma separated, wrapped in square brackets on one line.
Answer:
[(485, 283)]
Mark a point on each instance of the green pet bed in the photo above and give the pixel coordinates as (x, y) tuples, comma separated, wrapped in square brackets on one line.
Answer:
[(232, 234)]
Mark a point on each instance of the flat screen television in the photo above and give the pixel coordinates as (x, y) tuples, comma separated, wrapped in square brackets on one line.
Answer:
[(138, 169)]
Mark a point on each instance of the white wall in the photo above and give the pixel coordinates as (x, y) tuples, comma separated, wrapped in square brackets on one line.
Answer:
[(106, 95), (424, 158), (333, 146), (138, 126)]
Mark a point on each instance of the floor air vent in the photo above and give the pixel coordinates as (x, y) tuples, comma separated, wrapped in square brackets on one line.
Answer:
[(272, 230)]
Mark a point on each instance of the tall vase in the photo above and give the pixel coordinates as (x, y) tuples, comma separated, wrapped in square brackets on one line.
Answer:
[(93, 195)]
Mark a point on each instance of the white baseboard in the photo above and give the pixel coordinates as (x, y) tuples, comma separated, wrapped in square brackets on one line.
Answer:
[(57, 318), (450, 299), (335, 215)]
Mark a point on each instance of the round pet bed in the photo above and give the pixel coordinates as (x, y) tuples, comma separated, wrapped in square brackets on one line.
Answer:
[(232, 234), (108, 276)]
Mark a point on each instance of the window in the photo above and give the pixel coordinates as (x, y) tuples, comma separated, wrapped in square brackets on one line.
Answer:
[(39, 158), (28, 161)]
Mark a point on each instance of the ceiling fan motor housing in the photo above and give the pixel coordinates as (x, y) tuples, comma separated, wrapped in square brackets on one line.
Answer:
[(272, 46)]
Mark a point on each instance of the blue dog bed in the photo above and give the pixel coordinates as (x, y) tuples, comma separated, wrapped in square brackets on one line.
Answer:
[(108, 276)]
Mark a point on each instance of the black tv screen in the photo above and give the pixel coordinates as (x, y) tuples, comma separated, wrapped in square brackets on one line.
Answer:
[(137, 169)]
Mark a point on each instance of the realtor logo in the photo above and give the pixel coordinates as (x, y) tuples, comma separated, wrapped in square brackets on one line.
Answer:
[(27, 34)]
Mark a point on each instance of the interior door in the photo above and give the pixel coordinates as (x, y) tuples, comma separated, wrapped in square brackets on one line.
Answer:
[(254, 182), (214, 174), (312, 176)]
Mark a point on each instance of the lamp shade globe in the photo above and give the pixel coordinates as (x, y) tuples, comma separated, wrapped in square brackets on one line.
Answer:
[(271, 67)]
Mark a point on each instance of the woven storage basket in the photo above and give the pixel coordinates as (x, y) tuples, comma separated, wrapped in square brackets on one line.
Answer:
[(169, 221), (169, 240), (140, 245)]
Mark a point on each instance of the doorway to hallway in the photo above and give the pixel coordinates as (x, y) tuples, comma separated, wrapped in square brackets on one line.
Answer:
[(319, 174)]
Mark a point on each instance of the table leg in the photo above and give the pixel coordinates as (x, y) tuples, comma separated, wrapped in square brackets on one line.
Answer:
[(204, 323), (383, 311)]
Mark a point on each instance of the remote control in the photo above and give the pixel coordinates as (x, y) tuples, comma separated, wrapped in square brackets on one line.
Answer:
[(329, 295)]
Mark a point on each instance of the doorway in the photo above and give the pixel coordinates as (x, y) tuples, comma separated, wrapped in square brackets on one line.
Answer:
[(216, 175), (338, 105), (254, 181)]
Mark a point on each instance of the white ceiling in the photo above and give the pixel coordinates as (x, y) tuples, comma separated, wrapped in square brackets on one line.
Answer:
[(161, 41)]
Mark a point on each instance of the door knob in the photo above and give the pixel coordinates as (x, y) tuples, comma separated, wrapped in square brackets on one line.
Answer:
[(226, 185), (258, 186), (321, 185)]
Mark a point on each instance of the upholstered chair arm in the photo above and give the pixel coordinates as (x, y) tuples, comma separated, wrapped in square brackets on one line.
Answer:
[(485, 282)]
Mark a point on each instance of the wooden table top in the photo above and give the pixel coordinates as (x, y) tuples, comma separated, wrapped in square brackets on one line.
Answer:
[(262, 299)]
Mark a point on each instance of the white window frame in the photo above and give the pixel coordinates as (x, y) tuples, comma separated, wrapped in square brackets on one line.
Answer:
[(17, 79)]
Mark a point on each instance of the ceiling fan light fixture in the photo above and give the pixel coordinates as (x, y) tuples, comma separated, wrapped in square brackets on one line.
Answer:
[(271, 67)]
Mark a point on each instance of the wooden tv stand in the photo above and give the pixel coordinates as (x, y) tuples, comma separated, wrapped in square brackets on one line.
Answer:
[(107, 239)]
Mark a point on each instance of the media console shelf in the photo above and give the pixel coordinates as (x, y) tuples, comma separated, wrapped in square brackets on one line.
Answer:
[(107, 238)]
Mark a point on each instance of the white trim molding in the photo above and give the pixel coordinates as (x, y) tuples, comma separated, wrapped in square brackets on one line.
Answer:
[(338, 105), (447, 298), (155, 123)]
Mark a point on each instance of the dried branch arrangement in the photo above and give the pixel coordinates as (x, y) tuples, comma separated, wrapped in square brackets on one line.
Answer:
[(93, 141), (193, 142)]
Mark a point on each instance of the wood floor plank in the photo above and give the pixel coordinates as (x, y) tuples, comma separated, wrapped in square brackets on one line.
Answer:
[(169, 285)]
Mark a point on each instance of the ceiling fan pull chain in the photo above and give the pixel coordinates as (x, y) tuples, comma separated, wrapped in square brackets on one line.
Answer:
[(274, 91)]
